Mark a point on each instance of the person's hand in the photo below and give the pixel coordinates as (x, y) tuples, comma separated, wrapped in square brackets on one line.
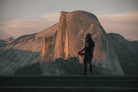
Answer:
[(80, 54)]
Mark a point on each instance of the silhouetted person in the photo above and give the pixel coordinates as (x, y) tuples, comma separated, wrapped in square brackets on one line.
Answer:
[(88, 55)]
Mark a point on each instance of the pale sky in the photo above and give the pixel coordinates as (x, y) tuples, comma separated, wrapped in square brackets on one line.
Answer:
[(20, 17)]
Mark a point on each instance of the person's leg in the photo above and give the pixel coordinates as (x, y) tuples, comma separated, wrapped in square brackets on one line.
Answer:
[(90, 68), (90, 65), (85, 66)]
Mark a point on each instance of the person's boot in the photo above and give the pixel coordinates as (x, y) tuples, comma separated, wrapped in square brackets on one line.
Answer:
[(90, 69), (90, 72), (84, 73), (85, 69)]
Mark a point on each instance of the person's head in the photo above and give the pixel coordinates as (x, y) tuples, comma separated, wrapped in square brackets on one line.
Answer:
[(88, 37)]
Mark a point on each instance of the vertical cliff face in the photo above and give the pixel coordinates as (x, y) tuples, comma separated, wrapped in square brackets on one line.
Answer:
[(61, 47), (48, 48), (70, 39)]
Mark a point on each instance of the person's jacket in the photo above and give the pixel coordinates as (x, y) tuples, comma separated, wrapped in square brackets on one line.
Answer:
[(89, 47)]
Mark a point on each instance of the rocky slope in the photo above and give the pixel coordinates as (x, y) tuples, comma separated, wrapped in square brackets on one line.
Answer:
[(23, 50), (127, 52), (2, 43)]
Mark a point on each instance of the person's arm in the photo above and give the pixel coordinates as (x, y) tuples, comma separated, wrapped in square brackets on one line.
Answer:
[(82, 50)]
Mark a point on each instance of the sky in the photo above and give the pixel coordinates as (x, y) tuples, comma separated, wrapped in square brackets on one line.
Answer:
[(21, 17)]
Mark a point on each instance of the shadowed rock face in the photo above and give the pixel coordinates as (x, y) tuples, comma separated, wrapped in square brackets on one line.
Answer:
[(127, 52), (23, 50), (70, 39)]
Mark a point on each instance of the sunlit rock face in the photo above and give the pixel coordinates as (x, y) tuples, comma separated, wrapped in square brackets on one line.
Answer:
[(73, 27), (48, 48), (70, 39)]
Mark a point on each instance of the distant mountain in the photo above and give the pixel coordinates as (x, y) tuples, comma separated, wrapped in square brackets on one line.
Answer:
[(8, 39), (64, 40), (2, 43)]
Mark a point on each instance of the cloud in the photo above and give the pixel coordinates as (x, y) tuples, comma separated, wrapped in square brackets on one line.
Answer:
[(51, 17), (18, 27), (124, 24)]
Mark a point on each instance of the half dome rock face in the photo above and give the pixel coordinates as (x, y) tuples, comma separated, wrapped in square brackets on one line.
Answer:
[(73, 27), (70, 39)]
